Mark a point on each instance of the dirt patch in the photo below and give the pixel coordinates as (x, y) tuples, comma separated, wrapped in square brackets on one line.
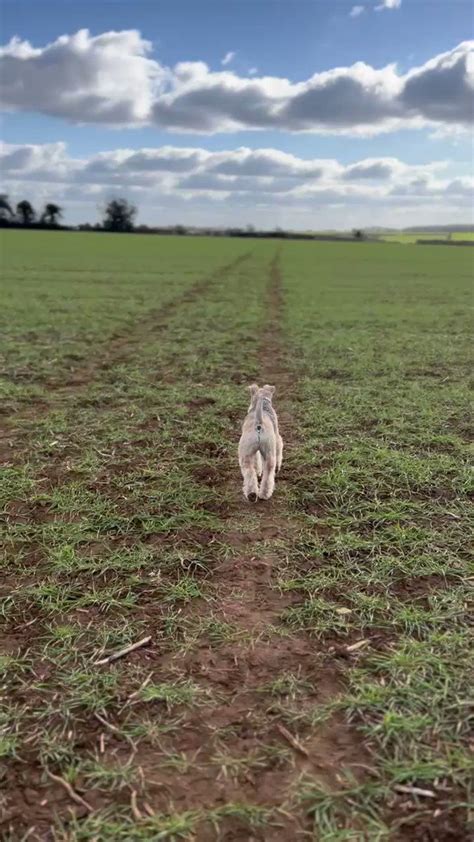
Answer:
[(199, 403), (440, 824), (208, 474)]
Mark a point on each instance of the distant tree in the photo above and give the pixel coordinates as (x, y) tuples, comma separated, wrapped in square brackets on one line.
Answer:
[(119, 215), (26, 212), (358, 234), (5, 207), (51, 214)]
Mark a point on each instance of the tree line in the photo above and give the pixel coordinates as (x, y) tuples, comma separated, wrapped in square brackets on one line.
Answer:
[(24, 213), (119, 216)]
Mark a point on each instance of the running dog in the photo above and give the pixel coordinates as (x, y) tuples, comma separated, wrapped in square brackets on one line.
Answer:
[(260, 446)]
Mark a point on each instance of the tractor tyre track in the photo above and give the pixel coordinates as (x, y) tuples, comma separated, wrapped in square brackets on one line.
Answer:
[(250, 602), (118, 349)]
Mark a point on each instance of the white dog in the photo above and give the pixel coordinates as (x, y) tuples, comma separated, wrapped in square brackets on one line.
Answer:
[(260, 446)]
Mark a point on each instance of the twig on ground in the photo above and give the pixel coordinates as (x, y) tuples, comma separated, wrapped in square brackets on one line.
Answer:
[(106, 723), (133, 805), (30, 622), (355, 646), (116, 655), (139, 689), (70, 791), (293, 741), (414, 790)]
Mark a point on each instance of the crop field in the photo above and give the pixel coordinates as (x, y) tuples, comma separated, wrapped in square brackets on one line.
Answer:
[(309, 668), (403, 237)]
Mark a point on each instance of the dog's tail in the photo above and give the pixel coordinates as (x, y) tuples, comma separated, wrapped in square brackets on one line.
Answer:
[(259, 415)]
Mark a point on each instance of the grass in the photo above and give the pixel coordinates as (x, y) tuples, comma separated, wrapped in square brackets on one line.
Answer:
[(171, 694), (125, 362), (171, 827), (402, 237)]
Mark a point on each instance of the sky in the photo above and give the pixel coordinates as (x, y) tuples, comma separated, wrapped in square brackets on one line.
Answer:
[(302, 114)]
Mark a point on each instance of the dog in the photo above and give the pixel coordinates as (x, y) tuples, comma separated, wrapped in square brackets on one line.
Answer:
[(260, 445)]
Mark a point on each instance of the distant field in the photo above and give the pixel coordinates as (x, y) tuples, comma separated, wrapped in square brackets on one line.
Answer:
[(309, 673), (435, 235)]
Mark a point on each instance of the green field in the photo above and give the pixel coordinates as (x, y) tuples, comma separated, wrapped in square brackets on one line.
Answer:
[(309, 674), (402, 237)]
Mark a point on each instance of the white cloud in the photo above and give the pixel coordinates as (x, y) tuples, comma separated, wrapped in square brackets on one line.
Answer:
[(111, 79), (443, 88), (29, 158), (356, 11), (228, 58), (242, 177), (388, 4), (253, 71), (233, 187), (173, 164), (352, 100), (104, 79)]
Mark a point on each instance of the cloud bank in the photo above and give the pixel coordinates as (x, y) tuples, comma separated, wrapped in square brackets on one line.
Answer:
[(250, 173), (266, 187), (111, 79)]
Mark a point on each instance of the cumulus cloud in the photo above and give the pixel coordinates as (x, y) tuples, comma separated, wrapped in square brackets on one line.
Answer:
[(264, 162), (104, 79), (388, 4), (112, 79), (28, 158), (251, 173), (236, 186), (443, 89), (228, 58), (356, 11), (360, 97), (369, 170)]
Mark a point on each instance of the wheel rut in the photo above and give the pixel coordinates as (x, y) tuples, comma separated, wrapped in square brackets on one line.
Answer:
[(118, 349), (249, 601)]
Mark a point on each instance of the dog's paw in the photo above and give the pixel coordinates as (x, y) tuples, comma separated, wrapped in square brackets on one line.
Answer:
[(252, 497)]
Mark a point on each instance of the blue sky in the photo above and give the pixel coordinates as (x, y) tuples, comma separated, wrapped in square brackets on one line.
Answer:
[(224, 107)]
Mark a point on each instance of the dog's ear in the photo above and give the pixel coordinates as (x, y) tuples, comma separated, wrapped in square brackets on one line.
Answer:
[(270, 389), (253, 389)]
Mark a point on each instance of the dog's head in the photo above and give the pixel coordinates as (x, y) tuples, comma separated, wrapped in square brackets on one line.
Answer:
[(257, 391)]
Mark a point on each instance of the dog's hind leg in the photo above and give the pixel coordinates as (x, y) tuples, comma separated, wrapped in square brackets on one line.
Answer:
[(258, 463), (250, 486), (267, 484), (279, 452)]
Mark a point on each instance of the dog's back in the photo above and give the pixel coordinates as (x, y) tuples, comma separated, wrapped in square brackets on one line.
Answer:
[(260, 440), (258, 430)]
